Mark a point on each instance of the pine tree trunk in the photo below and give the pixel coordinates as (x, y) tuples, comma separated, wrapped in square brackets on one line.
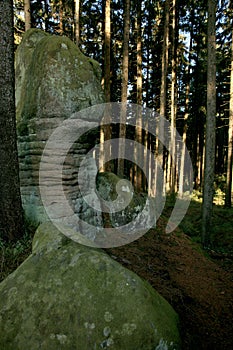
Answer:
[(163, 92), (76, 21), (229, 182), (11, 214), (27, 14), (107, 47), (60, 17), (105, 130), (46, 15), (138, 137), (172, 154), (124, 88), (186, 116), (208, 191)]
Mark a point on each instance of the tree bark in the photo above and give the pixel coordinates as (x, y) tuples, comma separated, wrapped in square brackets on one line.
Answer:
[(229, 182), (209, 170), (163, 94), (27, 14), (60, 17), (107, 46), (11, 214), (46, 15), (105, 130), (77, 21), (172, 154), (138, 136), (186, 115), (124, 88)]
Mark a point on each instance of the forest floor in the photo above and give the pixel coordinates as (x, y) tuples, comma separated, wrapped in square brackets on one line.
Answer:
[(198, 284)]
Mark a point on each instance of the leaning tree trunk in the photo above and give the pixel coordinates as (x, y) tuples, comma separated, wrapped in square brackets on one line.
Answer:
[(11, 214), (208, 190)]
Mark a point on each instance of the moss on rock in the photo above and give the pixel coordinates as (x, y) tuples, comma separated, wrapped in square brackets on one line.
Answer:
[(53, 78), (68, 296)]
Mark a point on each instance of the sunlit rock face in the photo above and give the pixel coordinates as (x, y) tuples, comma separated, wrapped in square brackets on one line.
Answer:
[(53, 81), (69, 296)]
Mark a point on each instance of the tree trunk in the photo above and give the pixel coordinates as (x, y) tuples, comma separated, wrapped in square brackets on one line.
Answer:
[(107, 46), (186, 116), (229, 182), (105, 130), (46, 15), (138, 156), (27, 14), (60, 17), (208, 191), (172, 155), (124, 88), (163, 91), (77, 21), (11, 214)]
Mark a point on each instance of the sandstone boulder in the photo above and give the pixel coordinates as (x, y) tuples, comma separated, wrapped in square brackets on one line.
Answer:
[(53, 81), (125, 205), (69, 296)]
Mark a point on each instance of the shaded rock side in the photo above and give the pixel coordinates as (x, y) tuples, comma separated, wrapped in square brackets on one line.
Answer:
[(53, 81), (68, 296), (125, 205)]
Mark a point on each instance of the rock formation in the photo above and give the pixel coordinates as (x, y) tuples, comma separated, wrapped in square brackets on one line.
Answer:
[(53, 81), (69, 296)]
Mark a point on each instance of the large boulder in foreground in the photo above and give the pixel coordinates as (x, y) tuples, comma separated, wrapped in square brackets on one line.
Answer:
[(69, 296)]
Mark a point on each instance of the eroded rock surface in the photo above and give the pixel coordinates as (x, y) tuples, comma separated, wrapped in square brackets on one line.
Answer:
[(53, 81), (69, 296)]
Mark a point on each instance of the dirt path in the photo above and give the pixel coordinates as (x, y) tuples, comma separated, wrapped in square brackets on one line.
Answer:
[(199, 289)]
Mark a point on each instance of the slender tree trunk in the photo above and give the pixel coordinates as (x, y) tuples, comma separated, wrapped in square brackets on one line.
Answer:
[(46, 15), (124, 88), (27, 14), (186, 116), (138, 156), (61, 17), (11, 213), (210, 126), (172, 154), (229, 183), (107, 48), (105, 130), (163, 91), (77, 21)]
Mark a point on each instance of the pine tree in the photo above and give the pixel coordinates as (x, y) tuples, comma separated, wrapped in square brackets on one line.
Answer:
[(27, 14), (208, 190), (11, 214), (229, 182), (124, 88)]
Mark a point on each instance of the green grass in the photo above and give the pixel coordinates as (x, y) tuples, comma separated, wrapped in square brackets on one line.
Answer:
[(222, 231), (13, 254)]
